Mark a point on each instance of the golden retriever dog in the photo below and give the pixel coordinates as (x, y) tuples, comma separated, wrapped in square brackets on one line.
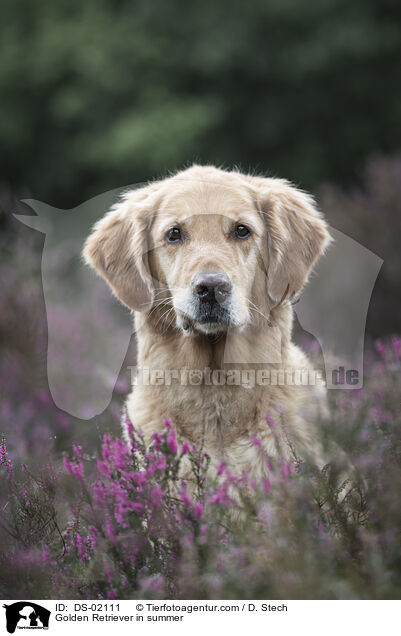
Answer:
[(211, 261)]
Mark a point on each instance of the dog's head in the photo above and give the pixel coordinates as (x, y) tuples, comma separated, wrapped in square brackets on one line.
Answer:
[(208, 248)]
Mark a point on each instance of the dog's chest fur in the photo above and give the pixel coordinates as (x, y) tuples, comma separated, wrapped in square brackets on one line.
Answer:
[(221, 419)]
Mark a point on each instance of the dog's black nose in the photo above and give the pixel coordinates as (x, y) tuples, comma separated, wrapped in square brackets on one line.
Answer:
[(212, 286)]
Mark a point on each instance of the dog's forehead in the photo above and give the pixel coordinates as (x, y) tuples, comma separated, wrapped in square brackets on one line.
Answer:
[(207, 197), (190, 200)]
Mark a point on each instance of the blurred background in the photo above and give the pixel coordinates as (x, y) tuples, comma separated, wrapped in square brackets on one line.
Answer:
[(105, 93)]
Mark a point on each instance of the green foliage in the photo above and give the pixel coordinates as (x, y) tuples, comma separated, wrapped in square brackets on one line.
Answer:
[(101, 94)]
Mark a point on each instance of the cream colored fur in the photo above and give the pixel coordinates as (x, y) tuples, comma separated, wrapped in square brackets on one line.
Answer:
[(152, 277)]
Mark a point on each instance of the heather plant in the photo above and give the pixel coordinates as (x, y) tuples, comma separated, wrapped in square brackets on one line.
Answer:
[(121, 523), (111, 520), (370, 213), (28, 415)]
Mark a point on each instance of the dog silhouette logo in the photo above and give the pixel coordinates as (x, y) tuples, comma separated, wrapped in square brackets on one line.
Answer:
[(26, 615), (332, 308)]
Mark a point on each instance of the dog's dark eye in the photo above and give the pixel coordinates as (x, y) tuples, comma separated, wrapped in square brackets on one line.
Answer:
[(242, 232), (174, 235)]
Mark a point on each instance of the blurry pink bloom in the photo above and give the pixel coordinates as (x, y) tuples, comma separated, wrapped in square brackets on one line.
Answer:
[(44, 397), (77, 450), (103, 468), (106, 446), (396, 343), (156, 496), (153, 583), (156, 463), (45, 556), (122, 385), (172, 442), (270, 421), (4, 460), (81, 547), (110, 530), (221, 496), (266, 483), (136, 506), (381, 349), (186, 500), (198, 510), (99, 493), (74, 468), (120, 452), (185, 448), (157, 441), (129, 427), (286, 470), (139, 478)]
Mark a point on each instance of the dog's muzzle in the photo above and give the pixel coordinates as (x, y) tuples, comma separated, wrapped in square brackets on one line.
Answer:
[(211, 293)]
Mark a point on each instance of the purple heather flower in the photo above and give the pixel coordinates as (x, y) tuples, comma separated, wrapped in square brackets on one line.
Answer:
[(77, 450), (286, 470), (221, 497), (45, 556), (396, 343), (185, 448), (4, 460), (139, 478), (99, 493), (81, 548), (186, 500), (172, 442), (270, 421), (103, 468), (266, 483), (198, 510), (155, 463), (110, 530), (381, 349), (156, 496), (74, 468), (136, 506), (120, 452), (157, 441)]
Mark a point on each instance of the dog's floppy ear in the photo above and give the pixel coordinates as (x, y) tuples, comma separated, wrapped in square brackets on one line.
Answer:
[(297, 235), (117, 248)]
